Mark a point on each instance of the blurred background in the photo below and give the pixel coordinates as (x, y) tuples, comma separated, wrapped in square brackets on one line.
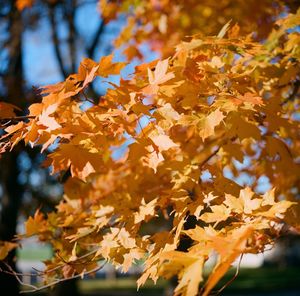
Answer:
[(43, 44)]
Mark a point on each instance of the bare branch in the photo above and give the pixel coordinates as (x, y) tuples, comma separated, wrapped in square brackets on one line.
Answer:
[(233, 278), (33, 288), (17, 118), (55, 41), (91, 49), (70, 9)]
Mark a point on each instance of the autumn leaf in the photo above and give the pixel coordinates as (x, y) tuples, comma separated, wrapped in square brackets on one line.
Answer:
[(145, 210), (158, 77), (250, 98), (5, 248), (35, 224), (190, 274), (208, 125), (47, 121), (230, 251), (219, 213), (174, 142), (163, 142), (129, 258), (107, 67), (81, 162), (22, 4), (7, 110), (224, 30)]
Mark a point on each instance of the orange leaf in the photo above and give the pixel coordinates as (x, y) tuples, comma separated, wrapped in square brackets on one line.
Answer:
[(5, 248), (230, 251)]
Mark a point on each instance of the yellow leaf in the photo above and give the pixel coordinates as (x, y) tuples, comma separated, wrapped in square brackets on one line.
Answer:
[(230, 252), (219, 213), (190, 271), (249, 203), (158, 77), (190, 278), (5, 248), (208, 125), (35, 224), (107, 67), (163, 142), (145, 211)]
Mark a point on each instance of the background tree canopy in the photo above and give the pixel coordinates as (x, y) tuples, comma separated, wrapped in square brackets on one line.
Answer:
[(165, 165)]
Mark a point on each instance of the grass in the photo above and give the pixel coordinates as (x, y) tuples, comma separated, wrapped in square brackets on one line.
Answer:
[(264, 279), (119, 284), (261, 281), (248, 281)]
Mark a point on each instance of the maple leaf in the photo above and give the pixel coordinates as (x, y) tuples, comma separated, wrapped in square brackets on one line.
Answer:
[(125, 240), (153, 160), (208, 125), (107, 244), (35, 224), (5, 248), (81, 161), (269, 198), (87, 71), (158, 77), (7, 110), (145, 211), (277, 209), (229, 250), (250, 98), (190, 275), (244, 203), (216, 99), (235, 204), (249, 203), (163, 142), (46, 120), (129, 258), (107, 67), (219, 213)]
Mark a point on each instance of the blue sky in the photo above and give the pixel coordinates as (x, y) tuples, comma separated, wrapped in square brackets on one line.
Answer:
[(40, 63)]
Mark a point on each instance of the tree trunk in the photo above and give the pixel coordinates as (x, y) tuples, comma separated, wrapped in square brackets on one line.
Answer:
[(10, 202), (11, 189)]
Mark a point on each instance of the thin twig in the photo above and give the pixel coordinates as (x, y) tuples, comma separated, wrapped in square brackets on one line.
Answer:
[(35, 288), (232, 279), (85, 96), (55, 41), (18, 117), (91, 49), (70, 15)]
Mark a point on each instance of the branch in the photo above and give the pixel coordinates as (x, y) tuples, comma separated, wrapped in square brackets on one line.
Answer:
[(18, 117), (91, 49), (55, 41), (233, 278), (86, 98), (207, 152), (34, 288), (70, 15)]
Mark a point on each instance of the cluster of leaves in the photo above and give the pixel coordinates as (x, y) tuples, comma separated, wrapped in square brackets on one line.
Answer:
[(181, 124), (163, 24)]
